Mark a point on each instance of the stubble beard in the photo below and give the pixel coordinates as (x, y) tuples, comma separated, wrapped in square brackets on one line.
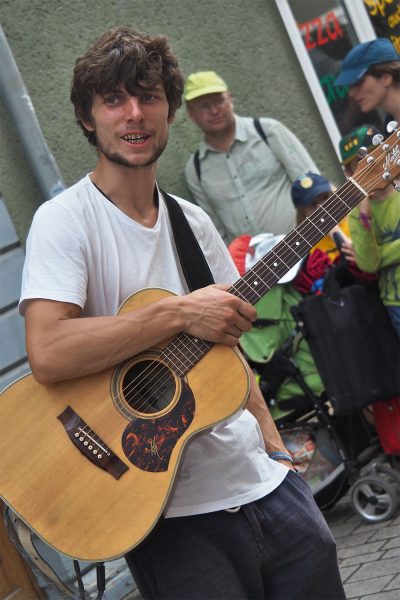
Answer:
[(119, 159)]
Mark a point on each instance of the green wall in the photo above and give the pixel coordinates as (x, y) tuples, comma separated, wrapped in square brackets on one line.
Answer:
[(244, 40)]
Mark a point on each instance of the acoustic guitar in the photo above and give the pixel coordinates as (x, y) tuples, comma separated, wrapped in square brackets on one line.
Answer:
[(89, 463)]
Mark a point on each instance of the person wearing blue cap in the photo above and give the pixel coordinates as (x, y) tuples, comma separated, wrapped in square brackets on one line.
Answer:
[(308, 191), (372, 72), (242, 172)]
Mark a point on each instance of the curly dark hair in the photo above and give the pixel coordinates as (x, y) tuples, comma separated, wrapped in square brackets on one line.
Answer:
[(124, 56)]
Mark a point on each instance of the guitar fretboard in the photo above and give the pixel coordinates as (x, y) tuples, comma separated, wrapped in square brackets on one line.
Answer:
[(185, 350)]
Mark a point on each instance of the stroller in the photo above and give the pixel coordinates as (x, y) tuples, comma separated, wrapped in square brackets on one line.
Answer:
[(321, 362)]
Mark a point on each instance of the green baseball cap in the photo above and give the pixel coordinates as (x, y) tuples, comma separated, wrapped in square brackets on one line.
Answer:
[(202, 83), (350, 144)]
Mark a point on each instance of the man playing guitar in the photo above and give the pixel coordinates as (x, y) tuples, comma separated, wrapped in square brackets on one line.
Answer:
[(239, 521)]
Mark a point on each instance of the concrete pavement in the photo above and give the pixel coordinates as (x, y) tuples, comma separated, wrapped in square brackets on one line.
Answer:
[(369, 554)]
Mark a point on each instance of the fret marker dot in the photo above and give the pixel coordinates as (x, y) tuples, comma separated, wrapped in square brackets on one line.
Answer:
[(196, 340), (322, 220), (275, 264), (255, 282), (297, 243)]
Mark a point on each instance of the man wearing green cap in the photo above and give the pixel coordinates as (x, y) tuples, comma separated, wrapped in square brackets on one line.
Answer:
[(375, 226), (242, 173)]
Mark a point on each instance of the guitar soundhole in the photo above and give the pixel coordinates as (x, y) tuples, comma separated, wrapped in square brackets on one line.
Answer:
[(148, 386)]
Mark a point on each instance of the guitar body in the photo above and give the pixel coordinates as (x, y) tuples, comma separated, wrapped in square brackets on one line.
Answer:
[(89, 463)]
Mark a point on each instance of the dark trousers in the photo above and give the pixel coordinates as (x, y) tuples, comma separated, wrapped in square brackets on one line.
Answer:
[(278, 548)]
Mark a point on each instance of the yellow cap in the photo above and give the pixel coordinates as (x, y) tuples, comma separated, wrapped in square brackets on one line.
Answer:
[(202, 83)]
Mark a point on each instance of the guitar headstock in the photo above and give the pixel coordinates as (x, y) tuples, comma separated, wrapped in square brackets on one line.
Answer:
[(380, 167)]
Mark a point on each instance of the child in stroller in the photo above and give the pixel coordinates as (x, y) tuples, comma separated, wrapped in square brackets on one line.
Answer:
[(333, 449)]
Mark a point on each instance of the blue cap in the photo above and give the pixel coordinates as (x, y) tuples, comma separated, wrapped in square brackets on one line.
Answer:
[(307, 187), (357, 62)]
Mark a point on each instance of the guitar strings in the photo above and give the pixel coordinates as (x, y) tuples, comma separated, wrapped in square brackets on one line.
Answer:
[(318, 234), (310, 230), (310, 225), (314, 228), (159, 368), (326, 206)]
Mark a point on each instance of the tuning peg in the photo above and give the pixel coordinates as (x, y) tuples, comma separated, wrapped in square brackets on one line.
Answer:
[(391, 126), (377, 139), (396, 186), (363, 151)]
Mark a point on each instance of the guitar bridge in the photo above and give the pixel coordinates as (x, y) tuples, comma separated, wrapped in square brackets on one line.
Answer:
[(90, 444)]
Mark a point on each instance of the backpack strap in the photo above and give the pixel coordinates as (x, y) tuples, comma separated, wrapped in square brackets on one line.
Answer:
[(194, 265), (258, 128), (263, 136), (196, 162)]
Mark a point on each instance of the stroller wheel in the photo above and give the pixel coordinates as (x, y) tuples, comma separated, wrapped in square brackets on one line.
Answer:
[(374, 498), (389, 474)]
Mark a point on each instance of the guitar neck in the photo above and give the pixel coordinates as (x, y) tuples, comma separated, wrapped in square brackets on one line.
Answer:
[(185, 351), (375, 171), (274, 265)]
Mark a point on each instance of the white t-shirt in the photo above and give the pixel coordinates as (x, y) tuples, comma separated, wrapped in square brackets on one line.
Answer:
[(82, 249)]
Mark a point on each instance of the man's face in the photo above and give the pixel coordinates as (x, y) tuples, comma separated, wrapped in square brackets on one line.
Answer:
[(131, 131), (213, 113)]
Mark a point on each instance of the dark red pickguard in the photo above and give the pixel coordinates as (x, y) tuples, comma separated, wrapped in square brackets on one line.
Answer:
[(148, 443)]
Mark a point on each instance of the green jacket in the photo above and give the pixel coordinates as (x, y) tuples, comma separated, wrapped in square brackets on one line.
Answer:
[(378, 249), (260, 344)]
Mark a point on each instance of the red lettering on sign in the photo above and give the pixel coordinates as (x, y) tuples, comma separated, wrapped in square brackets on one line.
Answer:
[(321, 41), (335, 31), (326, 30), (308, 43)]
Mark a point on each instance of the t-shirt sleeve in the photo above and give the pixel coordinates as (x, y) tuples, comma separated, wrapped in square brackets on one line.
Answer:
[(55, 265)]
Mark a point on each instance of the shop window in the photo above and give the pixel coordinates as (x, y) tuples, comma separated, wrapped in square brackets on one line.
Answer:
[(385, 19), (322, 32)]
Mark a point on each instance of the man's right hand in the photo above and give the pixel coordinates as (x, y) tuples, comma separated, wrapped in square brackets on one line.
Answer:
[(215, 315)]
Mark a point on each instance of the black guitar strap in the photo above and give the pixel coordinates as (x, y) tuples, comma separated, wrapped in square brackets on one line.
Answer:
[(194, 265)]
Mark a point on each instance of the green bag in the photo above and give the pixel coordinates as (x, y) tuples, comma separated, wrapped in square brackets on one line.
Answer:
[(273, 327)]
